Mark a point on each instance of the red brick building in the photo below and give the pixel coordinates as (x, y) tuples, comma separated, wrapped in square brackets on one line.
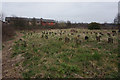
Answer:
[(43, 22), (47, 22)]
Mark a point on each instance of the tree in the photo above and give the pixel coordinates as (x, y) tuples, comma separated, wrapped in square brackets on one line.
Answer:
[(68, 23), (94, 25), (62, 24), (119, 12), (1, 17), (33, 22), (117, 19), (20, 22)]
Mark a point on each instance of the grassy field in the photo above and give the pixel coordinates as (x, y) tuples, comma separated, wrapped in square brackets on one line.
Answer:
[(66, 54)]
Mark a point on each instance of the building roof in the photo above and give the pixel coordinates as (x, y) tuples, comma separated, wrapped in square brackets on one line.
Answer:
[(47, 20), (14, 18), (28, 19)]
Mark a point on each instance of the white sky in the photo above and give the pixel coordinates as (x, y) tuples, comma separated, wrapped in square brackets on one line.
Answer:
[(73, 11), (59, 0)]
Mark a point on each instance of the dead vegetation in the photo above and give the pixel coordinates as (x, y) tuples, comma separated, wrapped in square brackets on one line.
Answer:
[(67, 53), (8, 32)]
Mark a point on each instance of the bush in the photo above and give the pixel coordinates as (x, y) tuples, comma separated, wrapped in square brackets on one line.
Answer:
[(68, 23), (62, 25), (20, 23), (94, 25), (8, 32)]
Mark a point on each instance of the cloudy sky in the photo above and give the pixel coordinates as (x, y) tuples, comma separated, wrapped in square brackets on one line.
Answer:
[(73, 11)]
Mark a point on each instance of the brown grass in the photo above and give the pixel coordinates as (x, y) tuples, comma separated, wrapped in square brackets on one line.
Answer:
[(8, 32)]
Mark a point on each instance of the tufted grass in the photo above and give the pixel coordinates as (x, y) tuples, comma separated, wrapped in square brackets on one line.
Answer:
[(51, 58)]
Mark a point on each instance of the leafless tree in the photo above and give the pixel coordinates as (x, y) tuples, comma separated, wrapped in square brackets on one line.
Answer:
[(117, 18), (119, 15), (1, 16), (68, 23)]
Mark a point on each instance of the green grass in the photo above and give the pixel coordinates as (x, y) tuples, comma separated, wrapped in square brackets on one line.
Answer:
[(51, 58), (96, 56)]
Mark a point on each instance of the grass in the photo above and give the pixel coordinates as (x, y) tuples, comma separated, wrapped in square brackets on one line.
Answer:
[(96, 56), (53, 58)]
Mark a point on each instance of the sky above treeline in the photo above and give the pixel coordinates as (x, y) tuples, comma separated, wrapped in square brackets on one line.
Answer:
[(63, 11)]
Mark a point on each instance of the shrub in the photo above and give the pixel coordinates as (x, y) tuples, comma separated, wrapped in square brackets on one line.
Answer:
[(19, 22), (8, 32), (34, 22), (62, 25), (94, 25), (68, 23)]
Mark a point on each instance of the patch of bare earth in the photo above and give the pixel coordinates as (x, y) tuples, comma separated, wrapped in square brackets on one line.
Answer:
[(9, 69)]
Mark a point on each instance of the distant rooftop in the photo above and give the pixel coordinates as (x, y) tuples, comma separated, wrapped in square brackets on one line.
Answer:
[(47, 20), (29, 19)]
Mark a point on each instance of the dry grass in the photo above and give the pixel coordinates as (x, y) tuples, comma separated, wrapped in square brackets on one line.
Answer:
[(53, 58)]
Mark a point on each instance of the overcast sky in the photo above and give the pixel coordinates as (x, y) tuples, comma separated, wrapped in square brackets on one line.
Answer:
[(73, 11)]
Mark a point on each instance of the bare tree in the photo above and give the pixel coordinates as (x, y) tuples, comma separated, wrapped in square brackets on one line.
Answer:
[(1, 16), (117, 19), (68, 23), (34, 21), (119, 15)]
